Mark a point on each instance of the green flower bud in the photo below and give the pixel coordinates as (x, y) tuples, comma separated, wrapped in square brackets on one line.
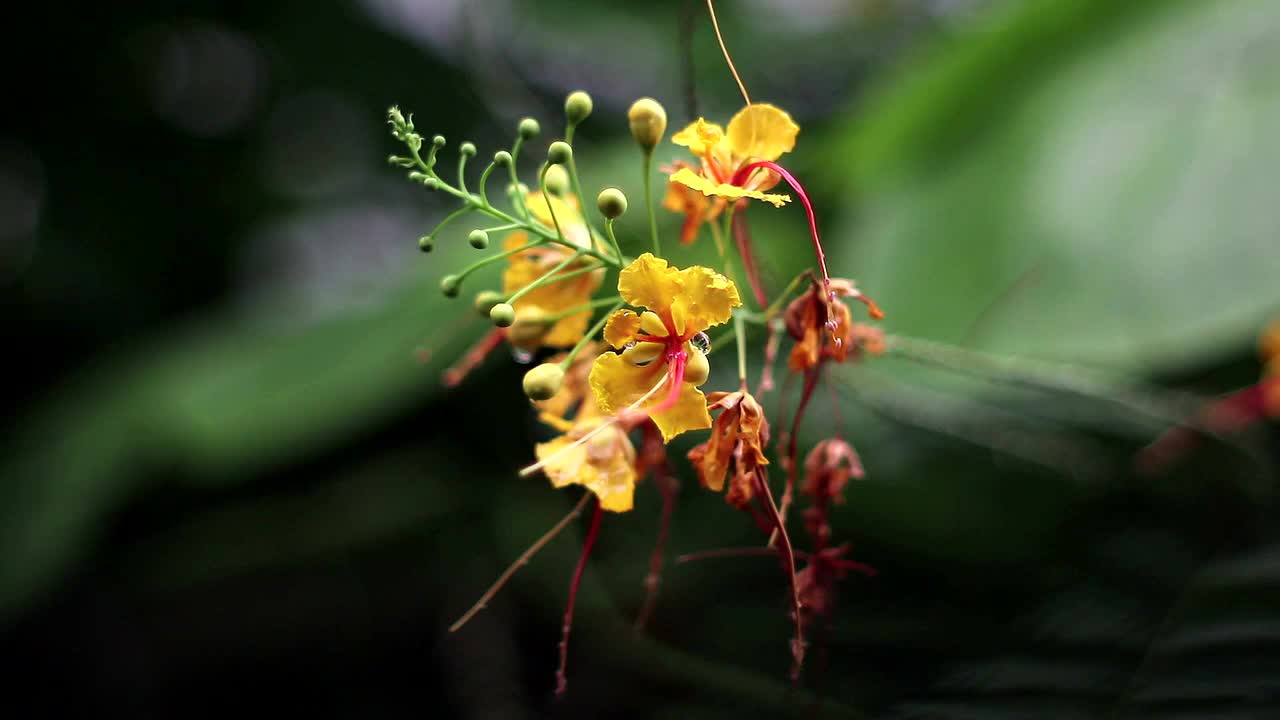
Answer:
[(648, 121), (431, 183), (502, 315), (450, 285), (529, 128), (577, 107), (426, 244), (559, 153), (543, 381), (479, 239), (612, 203), (557, 180), (438, 141), (486, 299), (502, 158), (467, 149), (696, 368), (394, 115)]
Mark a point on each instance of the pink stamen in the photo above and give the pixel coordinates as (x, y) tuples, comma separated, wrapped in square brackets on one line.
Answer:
[(745, 172), (676, 360), (562, 681)]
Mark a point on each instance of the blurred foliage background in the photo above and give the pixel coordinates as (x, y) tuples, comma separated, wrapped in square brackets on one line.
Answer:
[(230, 470)]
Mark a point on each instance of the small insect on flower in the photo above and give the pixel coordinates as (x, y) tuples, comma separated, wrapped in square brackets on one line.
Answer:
[(656, 346)]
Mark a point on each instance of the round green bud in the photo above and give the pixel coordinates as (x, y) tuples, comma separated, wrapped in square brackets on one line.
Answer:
[(502, 158), (450, 285), (502, 314), (468, 149), (529, 128), (696, 368), (543, 381), (648, 120), (479, 239), (559, 153), (431, 184), (426, 244), (577, 107), (438, 141), (557, 180), (612, 203), (486, 299)]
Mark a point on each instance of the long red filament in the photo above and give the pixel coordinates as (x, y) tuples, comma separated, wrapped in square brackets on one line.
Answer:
[(562, 681), (742, 238), (743, 173), (677, 361)]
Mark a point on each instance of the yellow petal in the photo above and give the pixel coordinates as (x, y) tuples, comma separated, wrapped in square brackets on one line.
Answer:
[(621, 328), (649, 282), (570, 220), (604, 464), (762, 132), (617, 384), (699, 137), (689, 178), (707, 299)]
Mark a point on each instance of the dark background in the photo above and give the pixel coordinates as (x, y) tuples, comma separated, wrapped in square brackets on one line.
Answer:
[(232, 480)]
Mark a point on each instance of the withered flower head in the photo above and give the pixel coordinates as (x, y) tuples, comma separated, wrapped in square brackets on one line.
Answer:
[(823, 327), (737, 441), (827, 470)]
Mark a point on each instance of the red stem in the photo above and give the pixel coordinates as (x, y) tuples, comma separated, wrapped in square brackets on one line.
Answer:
[(793, 441), (789, 557), (475, 355), (745, 172), (742, 238), (561, 680), (662, 478)]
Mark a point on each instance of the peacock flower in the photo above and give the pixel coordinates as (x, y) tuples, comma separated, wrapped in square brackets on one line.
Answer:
[(736, 447), (658, 345), (530, 330), (758, 133)]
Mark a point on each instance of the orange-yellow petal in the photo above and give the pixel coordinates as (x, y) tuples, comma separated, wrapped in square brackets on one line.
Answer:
[(604, 464), (649, 282), (689, 178), (762, 132), (621, 328), (618, 384), (707, 299), (570, 220), (699, 136)]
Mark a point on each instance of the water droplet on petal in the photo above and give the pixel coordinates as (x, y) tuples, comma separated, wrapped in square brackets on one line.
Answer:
[(702, 342), (524, 357)]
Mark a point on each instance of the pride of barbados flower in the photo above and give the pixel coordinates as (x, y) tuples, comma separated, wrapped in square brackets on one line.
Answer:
[(659, 368)]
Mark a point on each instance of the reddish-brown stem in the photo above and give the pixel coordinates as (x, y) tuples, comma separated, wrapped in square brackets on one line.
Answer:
[(854, 565), (773, 340), (1229, 414), (474, 356), (793, 441), (742, 239), (562, 681), (745, 172), (789, 558), (726, 552), (662, 478)]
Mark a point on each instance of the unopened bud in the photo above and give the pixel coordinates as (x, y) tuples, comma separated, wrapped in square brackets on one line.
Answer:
[(696, 368), (438, 141), (559, 153), (479, 239), (502, 158), (431, 183), (486, 299), (467, 149), (577, 107), (648, 121), (502, 315), (557, 180), (426, 243), (612, 203), (449, 285), (529, 128), (543, 381)]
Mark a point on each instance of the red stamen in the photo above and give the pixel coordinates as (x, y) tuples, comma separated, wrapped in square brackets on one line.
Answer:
[(473, 357), (741, 176), (742, 238), (711, 165), (561, 680), (676, 361)]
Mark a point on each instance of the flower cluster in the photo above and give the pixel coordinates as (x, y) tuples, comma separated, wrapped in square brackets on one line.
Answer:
[(631, 376)]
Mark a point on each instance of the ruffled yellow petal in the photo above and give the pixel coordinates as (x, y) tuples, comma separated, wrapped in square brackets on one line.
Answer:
[(762, 132), (617, 384), (621, 328), (649, 282), (604, 464), (689, 178), (707, 299), (699, 136)]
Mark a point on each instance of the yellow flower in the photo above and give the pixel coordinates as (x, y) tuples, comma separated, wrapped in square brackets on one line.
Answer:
[(759, 132), (557, 296), (656, 345), (604, 463)]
